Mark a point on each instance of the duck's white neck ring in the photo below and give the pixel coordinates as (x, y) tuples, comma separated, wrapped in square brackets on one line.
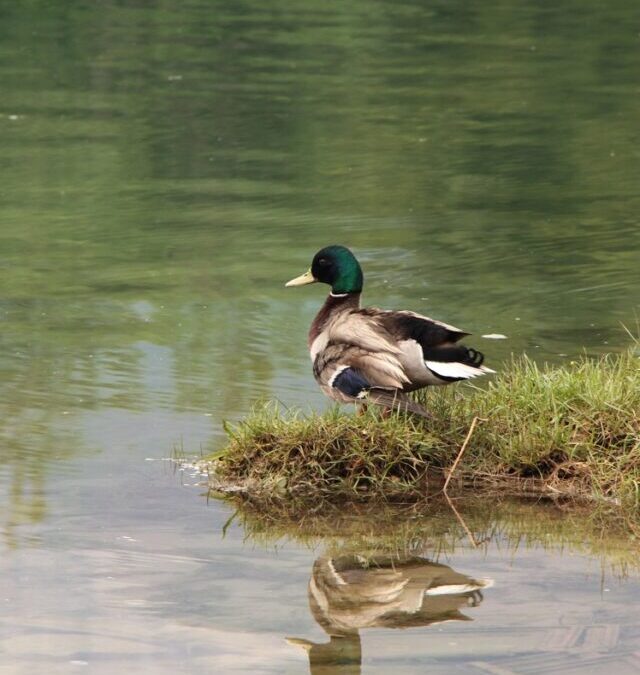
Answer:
[(338, 295)]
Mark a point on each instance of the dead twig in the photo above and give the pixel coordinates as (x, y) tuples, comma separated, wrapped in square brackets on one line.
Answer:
[(462, 449)]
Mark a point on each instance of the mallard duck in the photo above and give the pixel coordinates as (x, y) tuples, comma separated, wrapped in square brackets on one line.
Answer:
[(348, 593), (370, 355)]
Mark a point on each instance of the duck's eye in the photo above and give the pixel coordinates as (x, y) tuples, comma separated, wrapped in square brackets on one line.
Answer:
[(323, 261)]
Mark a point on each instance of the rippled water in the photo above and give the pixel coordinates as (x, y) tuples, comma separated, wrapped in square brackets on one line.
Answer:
[(164, 169)]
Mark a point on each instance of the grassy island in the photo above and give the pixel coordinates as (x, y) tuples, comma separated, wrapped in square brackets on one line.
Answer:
[(567, 431)]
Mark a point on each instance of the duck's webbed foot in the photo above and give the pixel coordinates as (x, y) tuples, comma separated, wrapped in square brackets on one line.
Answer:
[(361, 408)]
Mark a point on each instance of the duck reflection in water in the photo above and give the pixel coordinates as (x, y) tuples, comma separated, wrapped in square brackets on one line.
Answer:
[(351, 592)]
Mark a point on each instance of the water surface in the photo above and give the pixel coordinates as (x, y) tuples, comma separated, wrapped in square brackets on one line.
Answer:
[(164, 170)]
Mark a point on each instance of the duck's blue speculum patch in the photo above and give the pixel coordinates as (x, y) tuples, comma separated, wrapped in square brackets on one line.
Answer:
[(350, 382)]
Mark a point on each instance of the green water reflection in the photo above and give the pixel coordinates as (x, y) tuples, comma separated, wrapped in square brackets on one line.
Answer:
[(165, 168)]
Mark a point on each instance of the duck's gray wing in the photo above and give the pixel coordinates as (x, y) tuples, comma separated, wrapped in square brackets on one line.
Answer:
[(350, 373)]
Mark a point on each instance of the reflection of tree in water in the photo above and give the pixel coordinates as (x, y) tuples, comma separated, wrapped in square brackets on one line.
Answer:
[(61, 361), (350, 592), (31, 437)]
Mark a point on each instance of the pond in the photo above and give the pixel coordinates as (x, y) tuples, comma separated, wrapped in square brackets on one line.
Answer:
[(165, 169)]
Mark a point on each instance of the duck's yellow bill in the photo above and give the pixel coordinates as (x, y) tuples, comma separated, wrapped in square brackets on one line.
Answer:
[(302, 280)]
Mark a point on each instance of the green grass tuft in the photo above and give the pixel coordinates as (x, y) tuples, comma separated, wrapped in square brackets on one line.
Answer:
[(572, 430)]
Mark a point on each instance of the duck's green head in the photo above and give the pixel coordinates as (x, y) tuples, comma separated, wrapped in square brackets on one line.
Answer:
[(336, 266)]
